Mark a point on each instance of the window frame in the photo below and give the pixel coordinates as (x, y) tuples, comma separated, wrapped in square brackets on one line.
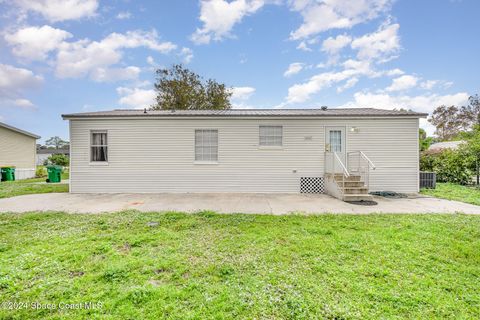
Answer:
[(271, 137), (90, 154), (196, 159)]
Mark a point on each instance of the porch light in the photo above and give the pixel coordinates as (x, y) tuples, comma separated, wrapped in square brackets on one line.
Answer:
[(354, 129)]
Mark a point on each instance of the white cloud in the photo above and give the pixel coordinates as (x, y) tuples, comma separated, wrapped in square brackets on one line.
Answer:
[(348, 84), (351, 73), (23, 103), (60, 10), (302, 92), (242, 93), (187, 55), (13, 82), (320, 16), (333, 46), (394, 72), (124, 15), (404, 82), (34, 43), (136, 97), (382, 44), (420, 103), (83, 57), (220, 16), (151, 61), (293, 68), (352, 69), (115, 74), (303, 46), (429, 84)]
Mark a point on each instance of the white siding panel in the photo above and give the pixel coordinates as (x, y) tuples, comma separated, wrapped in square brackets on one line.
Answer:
[(157, 155)]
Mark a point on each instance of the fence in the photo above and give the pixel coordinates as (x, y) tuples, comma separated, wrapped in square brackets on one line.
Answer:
[(428, 180)]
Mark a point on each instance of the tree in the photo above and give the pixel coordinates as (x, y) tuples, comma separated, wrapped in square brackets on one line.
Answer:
[(424, 142), (456, 122), (59, 159), (446, 121), (473, 148), (181, 89), (469, 116), (56, 142)]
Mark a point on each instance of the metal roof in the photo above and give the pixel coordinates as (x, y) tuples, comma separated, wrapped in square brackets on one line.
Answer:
[(4, 125), (333, 112), (53, 151)]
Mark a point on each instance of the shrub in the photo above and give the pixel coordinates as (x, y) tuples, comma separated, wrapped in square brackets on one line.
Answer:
[(450, 165), (40, 172), (59, 159)]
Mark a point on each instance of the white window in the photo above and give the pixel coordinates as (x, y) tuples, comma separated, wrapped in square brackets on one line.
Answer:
[(206, 145), (336, 140), (271, 135), (98, 146)]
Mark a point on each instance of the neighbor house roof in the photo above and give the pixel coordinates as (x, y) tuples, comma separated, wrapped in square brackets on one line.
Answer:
[(53, 151), (445, 145), (6, 126), (333, 112)]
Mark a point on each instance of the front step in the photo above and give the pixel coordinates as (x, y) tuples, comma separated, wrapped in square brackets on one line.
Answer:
[(342, 178), (350, 184), (357, 197), (355, 190)]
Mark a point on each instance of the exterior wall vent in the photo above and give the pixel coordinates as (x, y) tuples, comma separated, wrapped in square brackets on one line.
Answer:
[(312, 185)]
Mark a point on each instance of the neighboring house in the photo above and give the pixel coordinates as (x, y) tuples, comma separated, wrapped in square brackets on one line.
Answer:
[(17, 149), (236, 150), (440, 146), (44, 154)]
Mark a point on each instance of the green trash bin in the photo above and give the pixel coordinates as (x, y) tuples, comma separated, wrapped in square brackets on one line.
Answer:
[(54, 174), (8, 173)]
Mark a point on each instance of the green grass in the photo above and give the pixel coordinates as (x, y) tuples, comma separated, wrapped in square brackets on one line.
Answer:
[(31, 186), (209, 266), (456, 192)]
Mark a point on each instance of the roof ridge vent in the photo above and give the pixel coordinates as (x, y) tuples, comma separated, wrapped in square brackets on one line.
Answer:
[(324, 108)]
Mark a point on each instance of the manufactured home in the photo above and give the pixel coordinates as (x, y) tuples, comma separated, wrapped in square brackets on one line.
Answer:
[(18, 149), (343, 152)]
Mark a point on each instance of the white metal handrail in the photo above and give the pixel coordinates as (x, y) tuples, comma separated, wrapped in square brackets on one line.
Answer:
[(344, 168), (362, 168), (336, 160)]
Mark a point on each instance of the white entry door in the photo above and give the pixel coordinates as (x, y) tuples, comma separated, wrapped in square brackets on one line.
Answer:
[(335, 142)]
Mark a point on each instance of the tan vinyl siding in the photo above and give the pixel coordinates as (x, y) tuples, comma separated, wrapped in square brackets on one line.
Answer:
[(158, 155), (17, 149)]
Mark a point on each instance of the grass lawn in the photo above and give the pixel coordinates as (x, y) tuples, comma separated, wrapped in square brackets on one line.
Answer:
[(204, 266), (30, 186), (456, 192)]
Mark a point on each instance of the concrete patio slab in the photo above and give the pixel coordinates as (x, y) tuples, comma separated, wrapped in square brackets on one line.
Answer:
[(226, 203)]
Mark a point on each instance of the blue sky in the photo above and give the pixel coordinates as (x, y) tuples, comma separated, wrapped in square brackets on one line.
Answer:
[(62, 57)]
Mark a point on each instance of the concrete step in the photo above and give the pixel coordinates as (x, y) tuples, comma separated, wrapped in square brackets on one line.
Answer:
[(357, 197), (350, 184), (355, 190), (339, 177)]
